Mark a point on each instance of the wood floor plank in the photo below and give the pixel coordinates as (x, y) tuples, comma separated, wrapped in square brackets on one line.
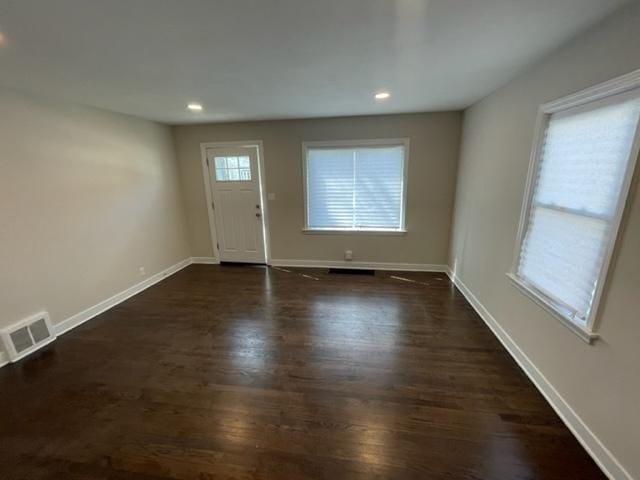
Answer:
[(245, 372)]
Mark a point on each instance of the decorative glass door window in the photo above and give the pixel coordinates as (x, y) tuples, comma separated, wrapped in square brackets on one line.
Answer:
[(233, 169)]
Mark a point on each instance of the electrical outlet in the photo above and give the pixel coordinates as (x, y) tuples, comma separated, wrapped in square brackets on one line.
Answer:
[(348, 255), (142, 271)]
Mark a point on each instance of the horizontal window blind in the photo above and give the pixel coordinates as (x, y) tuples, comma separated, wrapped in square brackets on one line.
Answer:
[(355, 188), (581, 170)]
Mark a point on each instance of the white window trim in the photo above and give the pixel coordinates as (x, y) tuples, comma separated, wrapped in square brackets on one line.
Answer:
[(404, 142), (625, 83)]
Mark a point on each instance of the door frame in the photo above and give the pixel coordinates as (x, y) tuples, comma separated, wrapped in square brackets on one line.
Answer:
[(206, 172)]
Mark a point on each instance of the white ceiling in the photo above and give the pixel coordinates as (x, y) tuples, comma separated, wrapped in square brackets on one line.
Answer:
[(256, 59)]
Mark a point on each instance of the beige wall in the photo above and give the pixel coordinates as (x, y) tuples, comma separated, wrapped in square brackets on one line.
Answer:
[(601, 382), (86, 198), (432, 170)]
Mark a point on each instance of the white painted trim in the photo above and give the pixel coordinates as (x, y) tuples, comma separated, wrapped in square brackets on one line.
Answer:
[(601, 455), (404, 142), (617, 85), (530, 291), (626, 84), (312, 231), (213, 235), (262, 182), (80, 318), (205, 260), (407, 267), (266, 231), (91, 312), (591, 443)]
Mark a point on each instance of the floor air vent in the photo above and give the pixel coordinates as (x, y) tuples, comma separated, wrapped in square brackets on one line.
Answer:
[(352, 271), (27, 336)]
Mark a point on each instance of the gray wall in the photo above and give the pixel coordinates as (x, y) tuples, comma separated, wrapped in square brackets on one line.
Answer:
[(433, 158), (86, 197), (601, 382)]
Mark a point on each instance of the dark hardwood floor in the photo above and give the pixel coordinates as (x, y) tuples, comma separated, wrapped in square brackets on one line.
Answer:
[(241, 372)]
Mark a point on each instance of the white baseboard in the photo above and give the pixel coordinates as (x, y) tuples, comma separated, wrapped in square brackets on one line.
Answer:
[(600, 454), (204, 260), (82, 317), (79, 318), (407, 267)]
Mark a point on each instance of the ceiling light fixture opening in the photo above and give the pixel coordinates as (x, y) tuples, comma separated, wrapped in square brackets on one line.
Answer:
[(195, 107), (382, 95)]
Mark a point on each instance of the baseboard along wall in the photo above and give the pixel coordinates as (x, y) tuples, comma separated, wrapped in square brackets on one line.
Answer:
[(591, 443), (407, 267), (70, 323), (600, 454)]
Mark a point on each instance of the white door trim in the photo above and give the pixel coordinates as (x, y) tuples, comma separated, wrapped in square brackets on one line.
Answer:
[(209, 194)]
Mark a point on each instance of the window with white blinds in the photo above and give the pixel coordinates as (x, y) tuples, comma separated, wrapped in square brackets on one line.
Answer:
[(355, 186), (582, 172)]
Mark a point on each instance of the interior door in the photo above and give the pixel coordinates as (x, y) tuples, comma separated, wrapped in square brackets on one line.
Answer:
[(237, 208)]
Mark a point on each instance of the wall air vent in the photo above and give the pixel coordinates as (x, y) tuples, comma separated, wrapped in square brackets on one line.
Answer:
[(27, 336)]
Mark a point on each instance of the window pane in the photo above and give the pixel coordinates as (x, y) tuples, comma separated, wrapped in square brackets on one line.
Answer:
[(562, 254), (232, 162), (220, 162), (244, 162), (245, 174), (234, 175), (378, 194), (582, 166), (330, 187), (585, 156), (355, 188), (221, 175)]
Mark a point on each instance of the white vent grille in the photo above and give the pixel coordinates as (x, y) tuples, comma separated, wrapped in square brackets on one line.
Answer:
[(27, 336)]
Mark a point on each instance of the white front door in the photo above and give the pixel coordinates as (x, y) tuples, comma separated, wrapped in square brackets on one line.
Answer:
[(237, 208)]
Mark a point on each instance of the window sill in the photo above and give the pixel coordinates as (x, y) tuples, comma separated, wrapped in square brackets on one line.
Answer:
[(581, 331), (309, 231)]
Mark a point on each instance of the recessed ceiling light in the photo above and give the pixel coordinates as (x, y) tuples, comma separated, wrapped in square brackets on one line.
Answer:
[(382, 95), (196, 107)]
